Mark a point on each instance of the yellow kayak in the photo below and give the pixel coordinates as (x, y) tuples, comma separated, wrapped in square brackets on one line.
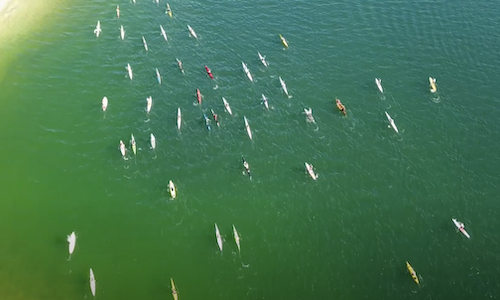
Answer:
[(283, 41), (169, 11), (174, 290), (412, 273)]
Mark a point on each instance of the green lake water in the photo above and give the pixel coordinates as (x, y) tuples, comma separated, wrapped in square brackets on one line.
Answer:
[(381, 198)]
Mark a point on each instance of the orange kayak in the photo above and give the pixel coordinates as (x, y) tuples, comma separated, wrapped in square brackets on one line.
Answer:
[(341, 107)]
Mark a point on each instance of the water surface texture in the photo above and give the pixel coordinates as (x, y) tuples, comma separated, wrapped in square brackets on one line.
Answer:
[(381, 198)]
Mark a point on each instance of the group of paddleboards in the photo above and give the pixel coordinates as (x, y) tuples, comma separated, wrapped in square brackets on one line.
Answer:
[(378, 82), (460, 226)]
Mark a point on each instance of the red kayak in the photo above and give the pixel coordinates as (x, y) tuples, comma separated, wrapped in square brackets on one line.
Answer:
[(209, 72), (198, 95)]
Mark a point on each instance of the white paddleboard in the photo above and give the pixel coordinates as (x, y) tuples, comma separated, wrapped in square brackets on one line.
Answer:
[(460, 227), (283, 86), (247, 71), (310, 170), (226, 105), (92, 282), (153, 141), (72, 242), (104, 103), (171, 189), (191, 31), (262, 59), (248, 127), (145, 44), (149, 104), (378, 81), (179, 118), (219, 238)]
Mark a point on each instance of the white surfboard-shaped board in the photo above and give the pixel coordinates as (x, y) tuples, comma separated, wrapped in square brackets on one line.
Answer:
[(191, 31), (179, 118), (145, 44), (461, 227), (104, 103), (122, 32), (163, 33), (219, 238), (236, 238), (391, 121), (158, 76), (153, 141), (133, 144), (71, 242), (129, 69), (149, 104), (262, 59), (283, 86), (264, 100), (310, 170), (378, 81), (92, 282), (247, 71), (247, 127), (123, 150), (171, 189), (226, 105)]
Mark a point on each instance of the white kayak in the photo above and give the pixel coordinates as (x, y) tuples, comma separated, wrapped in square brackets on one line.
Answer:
[(310, 170), (145, 44), (129, 69), (226, 105), (219, 238), (149, 104), (391, 121), (283, 86), (163, 33), (378, 81), (179, 118), (248, 127), (264, 100), (236, 238), (72, 242), (123, 150), (158, 76), (171, 189), (461, 227), (262, 59), (104, 103), (191, 31), (247, 71), (153, 141), (92, 282), (122, 32)]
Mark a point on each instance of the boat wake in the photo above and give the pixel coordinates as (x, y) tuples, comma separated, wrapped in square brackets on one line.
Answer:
[(216, 87)]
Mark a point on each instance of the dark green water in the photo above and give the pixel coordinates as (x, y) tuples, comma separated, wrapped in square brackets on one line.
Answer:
[(381, 198)]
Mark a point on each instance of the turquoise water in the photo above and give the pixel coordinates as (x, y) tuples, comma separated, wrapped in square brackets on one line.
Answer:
[(381, 198)]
